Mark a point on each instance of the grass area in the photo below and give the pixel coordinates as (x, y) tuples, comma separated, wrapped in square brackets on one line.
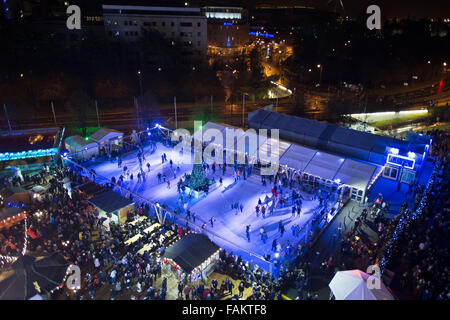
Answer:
[(400, 121)]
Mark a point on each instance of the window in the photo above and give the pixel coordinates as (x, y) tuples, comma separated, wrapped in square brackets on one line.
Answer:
[(126, 23), (146, 24), (135, 33), (185, 24), (198, 34), (154, 23), (172, 24), (163, 24), (198, 24), (126, 33), (198, 43)]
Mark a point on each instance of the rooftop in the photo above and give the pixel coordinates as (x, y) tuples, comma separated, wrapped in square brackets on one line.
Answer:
[(26, 140)]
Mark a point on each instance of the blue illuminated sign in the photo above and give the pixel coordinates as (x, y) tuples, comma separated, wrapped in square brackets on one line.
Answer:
[(227, 24), (28, 154), (260, 34), (401, 161)]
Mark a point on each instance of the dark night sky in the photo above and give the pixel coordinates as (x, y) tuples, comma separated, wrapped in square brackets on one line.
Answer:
[(389, 8), (401, 8)]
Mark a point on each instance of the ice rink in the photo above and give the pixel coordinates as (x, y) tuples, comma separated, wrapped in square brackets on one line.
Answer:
[(230, 224)]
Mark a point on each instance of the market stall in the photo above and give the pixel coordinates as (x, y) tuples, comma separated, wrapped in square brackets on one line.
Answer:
[(193, 256), (10, 216), (112, 206)]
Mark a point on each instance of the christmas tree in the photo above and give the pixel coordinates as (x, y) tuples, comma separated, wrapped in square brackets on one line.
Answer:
[(198, 179)]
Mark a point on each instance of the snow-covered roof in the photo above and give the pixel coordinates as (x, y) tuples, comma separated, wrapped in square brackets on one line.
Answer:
[(77, 143), (105, 134)]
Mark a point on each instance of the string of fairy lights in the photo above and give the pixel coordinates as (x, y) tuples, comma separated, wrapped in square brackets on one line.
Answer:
[(11, 259), (409, 216)]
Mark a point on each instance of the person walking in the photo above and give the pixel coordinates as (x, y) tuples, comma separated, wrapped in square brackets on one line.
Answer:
[(241, 289)]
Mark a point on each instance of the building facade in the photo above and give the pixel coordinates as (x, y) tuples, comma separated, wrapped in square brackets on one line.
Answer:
[(187, 25), (227, 27)]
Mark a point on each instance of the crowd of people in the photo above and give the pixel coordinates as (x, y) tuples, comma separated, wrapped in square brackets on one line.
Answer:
[(64, 222), (418, 266)]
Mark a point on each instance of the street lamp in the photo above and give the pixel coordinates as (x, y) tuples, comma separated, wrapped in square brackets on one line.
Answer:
[(139, 74), (321, 68)]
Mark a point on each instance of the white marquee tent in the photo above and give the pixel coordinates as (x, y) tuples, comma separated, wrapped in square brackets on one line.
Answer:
[(80, 148), (353, 285), (328, 167)]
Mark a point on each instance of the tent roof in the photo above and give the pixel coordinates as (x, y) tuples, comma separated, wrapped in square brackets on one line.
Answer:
[(90, 188), (297, 157), (322, 164), (355, 173), (30, 273), (191, 251), (282, 147), (78, 142), (352, 285), (101, 133), (9, 191), (9, 212), (110, 201), (320, 133), (31, 139)]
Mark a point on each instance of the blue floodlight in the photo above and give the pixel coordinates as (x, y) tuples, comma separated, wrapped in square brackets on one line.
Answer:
[(394, 150), (411, 155)]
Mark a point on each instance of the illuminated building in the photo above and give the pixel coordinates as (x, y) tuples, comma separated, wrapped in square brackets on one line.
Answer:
[(31, 149), (188, 25)]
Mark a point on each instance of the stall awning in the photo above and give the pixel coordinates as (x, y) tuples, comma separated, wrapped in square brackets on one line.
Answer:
[(110, 201), (191, 251)]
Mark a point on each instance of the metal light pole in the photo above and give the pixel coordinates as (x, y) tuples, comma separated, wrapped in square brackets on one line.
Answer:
[(6, 115), (137, 112), (139, 73), (276, 104), (96, 110), (53, 111), (211, 104), (140, 80), (175, 107), (320, 79), (243, 109)]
